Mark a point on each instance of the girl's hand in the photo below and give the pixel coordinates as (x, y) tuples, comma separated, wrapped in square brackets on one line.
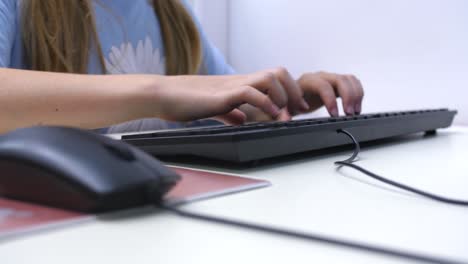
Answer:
[(323, 88), (318, 89), (262, 96), (186, 98)]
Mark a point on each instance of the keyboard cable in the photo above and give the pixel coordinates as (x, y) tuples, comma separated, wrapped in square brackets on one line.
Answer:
[(349, 163), (392, 252)]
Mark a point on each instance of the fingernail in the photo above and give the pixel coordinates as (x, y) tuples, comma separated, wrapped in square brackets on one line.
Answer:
[(350, 110), (275, 110), (334, 112), (304, 105), (358, 108), (284, 115)]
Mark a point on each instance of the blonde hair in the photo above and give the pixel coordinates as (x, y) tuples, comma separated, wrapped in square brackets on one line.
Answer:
[(58, 36)]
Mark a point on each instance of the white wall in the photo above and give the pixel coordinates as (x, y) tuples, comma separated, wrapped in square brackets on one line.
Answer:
[(408, 53), (214, 17)]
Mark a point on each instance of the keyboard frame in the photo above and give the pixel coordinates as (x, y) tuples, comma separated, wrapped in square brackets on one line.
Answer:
[(258, 141)]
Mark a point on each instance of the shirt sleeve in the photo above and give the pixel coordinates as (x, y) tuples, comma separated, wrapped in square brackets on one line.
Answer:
[(7, 30), (213, 61)]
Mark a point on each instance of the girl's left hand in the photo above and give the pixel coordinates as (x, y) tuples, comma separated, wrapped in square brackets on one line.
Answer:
[(319, 89), (323, 88)]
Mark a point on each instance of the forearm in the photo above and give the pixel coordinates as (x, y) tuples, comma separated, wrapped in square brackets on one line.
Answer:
[(88, 101)]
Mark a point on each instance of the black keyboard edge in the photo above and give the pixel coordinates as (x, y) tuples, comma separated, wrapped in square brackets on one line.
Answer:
[(254, 127), (271, 140)]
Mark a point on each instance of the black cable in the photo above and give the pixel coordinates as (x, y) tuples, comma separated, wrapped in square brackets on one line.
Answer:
[(357, 148), (326, 239), (348, 163), (311, 237)]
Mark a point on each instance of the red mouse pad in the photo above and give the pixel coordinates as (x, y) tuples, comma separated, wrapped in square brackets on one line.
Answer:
[(19, 218), (199, 184)]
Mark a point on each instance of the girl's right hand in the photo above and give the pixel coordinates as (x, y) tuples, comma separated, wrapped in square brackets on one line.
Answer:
[(187, 98)]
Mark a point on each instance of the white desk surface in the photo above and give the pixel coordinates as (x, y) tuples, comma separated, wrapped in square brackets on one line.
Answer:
[(307, 194)]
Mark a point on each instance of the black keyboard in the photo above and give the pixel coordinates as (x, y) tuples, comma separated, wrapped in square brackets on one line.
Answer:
[(257, 141)]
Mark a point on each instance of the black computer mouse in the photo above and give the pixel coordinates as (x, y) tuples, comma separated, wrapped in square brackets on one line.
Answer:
[(79, 170)]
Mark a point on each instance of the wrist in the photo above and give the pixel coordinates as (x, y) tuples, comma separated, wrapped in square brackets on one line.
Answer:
[(144, 97)]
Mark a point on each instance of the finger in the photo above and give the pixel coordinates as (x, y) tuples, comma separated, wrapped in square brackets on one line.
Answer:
[(254, 114), (252, 96), (319, 92), (344, 89), (284, 115), (235, 117), (359, 92), (296, 102), (327, 94), (356, 91), (268, 83)]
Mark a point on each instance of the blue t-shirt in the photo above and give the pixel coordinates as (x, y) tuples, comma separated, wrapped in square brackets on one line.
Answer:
[(131, 41)]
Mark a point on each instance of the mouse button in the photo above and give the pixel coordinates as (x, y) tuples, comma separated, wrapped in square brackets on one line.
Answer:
[(161, 181), (107, 174), (120, 150), (157, 168), (168, 175), (93, 168), (165, 175), (30, 182)]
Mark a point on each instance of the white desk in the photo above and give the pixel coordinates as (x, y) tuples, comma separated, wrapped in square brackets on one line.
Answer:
[(308, 194)]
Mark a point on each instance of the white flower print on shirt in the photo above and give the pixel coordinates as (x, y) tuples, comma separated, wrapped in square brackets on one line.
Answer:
[(144, 59)]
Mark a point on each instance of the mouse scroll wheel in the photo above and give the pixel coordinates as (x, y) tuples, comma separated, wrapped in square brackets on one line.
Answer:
[(121, 151)]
